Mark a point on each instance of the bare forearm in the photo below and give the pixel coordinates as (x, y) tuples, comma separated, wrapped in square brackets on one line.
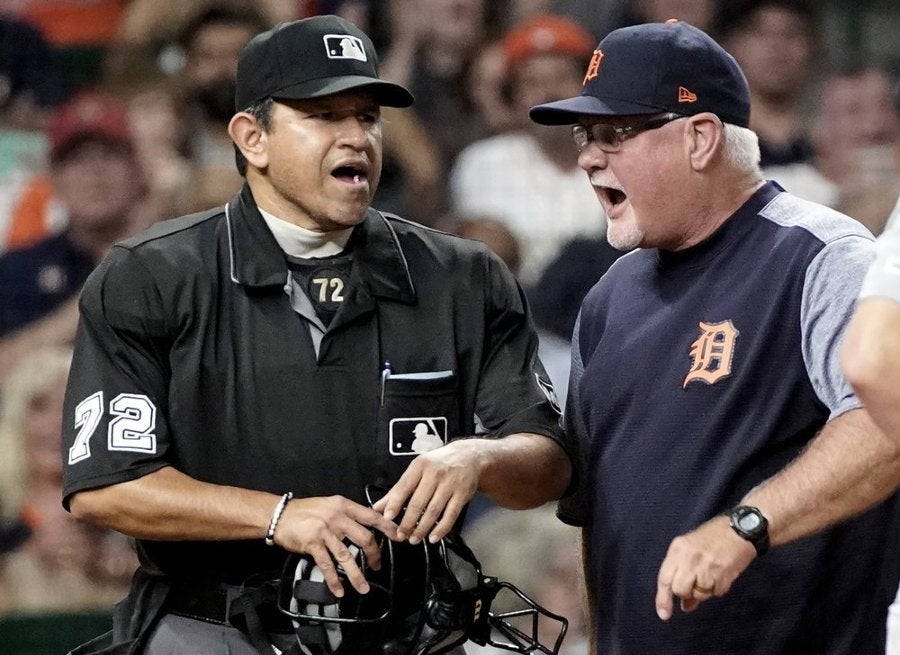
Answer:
[(871, 360), (849, 467), (522, 471), (168, 505)]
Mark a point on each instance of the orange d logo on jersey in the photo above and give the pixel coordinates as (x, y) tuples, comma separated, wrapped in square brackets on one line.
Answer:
[(712, 352), (593, 67)]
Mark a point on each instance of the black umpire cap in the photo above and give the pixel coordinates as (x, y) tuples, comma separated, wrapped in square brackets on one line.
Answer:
[(311, 58)]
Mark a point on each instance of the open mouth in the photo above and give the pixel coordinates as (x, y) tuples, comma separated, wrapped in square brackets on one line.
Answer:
[(615, 196), (610, 197), (351, 173)]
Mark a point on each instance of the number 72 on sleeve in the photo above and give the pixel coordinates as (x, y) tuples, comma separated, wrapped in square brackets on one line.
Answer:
[(131, 427)]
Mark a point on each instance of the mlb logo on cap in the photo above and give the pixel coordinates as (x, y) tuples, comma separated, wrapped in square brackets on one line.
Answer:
[(344, 46), (312, 58)]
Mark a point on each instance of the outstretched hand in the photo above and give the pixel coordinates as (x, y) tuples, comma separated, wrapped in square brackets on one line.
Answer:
[(319, 527), (433, 491), (701, 564)]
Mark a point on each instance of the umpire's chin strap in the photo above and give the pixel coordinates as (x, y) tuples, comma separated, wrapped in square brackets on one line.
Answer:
[(243, 613)]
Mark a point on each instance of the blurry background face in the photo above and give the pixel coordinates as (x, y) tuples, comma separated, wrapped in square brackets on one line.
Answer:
[(211, 65), (153, 118), (98, 182), (545, 78), (858, 131), (213, 52), (775, 51), (455, 23), (860, 111), (42, 428), (58, 539)]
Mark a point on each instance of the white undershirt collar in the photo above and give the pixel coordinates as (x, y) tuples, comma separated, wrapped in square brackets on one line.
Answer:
[(297, 241)]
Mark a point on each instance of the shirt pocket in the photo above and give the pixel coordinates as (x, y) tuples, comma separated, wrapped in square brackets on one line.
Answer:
[(418, 412)]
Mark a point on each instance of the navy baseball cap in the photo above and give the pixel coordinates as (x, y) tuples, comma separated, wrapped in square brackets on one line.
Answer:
[(311, 58), (653, 68)]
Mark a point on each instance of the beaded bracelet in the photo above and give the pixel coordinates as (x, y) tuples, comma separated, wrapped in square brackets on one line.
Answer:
[(276, 517)]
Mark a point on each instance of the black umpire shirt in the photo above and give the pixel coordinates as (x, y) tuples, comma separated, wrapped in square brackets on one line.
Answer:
[(190, 354)]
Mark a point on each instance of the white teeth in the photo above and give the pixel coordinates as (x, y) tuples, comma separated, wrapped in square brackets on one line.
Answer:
[(356, 178)]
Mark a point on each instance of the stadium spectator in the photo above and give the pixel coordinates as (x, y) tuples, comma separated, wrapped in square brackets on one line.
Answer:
[(31, 88), (486, 83), (98, 186), (159, 137), (857, 132), (195, 47), (31, 84), (528, 178), (81, 31), (433, 45), (211, 43), (63, 565), (774, 41)]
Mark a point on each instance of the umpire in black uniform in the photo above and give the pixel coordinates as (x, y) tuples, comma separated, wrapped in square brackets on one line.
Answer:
[(243, 374)]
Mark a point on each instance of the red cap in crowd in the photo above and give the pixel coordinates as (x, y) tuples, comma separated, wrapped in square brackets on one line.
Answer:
[(546, 34), (89, 114)]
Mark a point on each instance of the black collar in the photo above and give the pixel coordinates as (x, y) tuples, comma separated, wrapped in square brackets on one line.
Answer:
[(258, 261)]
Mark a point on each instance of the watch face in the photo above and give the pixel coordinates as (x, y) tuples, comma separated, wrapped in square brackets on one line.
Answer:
[(749, 522)]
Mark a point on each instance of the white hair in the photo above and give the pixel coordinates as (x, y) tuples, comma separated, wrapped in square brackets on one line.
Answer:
[(741, 148)]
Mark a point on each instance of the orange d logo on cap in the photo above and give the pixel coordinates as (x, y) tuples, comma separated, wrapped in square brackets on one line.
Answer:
[(593, 67)]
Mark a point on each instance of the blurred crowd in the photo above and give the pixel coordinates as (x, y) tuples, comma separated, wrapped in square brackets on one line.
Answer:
[(113, 116)]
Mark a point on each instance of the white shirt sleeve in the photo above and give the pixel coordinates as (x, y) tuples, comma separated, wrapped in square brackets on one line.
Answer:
[(883, 278)]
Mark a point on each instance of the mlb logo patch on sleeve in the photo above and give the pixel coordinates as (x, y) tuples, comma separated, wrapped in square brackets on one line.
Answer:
[(413, 436)]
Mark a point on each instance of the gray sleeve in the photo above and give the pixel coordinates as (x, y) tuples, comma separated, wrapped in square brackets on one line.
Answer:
[(831, 285), (883, 278), (573, 508)]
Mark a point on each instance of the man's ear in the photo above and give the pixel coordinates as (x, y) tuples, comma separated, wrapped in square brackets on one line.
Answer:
[(250, 139), (706, 138)]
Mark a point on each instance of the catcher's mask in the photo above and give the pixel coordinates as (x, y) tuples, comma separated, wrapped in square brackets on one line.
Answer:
[(425, 600)]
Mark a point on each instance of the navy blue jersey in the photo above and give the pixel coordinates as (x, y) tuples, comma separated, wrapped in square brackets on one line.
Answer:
[(696, 375)]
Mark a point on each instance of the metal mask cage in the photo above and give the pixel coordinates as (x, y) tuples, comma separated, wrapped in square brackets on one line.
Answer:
[(425, 600), (508, 625)]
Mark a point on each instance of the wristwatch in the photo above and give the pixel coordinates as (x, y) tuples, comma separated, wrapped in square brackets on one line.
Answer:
[(751, 525)]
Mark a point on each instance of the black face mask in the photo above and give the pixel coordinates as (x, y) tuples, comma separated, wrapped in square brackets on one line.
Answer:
[(216, 98)]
